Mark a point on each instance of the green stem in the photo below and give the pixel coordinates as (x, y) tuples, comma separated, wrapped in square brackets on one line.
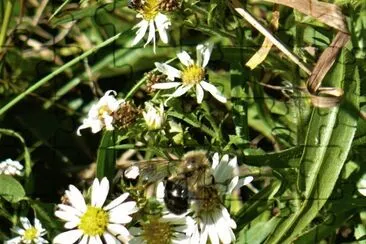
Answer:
[(56, 72), (4, 27)]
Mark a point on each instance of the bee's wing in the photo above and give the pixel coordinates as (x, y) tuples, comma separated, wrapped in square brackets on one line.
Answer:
[(156, 170)]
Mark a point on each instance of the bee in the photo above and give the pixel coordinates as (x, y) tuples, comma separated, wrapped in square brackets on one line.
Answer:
[(135, 4), (182, 178)]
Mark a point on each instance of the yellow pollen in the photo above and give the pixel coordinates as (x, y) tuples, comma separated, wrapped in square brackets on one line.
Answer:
[(30, 234), (193, 75), (103, 109), (94, 221), (150, 9), (156, 232)]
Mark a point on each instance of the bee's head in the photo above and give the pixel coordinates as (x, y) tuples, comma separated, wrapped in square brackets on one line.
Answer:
[(195, 160)]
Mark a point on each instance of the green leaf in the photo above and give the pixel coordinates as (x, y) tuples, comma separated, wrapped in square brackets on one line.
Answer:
[(11, 190), (259, 232), (328, 142), (106, 158)]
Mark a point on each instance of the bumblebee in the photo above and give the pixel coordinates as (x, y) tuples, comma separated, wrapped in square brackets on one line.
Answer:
[(182, 178)]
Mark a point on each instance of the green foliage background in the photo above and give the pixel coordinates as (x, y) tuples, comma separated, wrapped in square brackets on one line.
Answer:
[(306, 161)]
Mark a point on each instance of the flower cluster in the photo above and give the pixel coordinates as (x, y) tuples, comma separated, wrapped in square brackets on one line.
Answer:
[(11, 167), (110, 113)]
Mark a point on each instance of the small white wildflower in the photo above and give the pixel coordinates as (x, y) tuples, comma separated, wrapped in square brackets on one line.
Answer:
[(100, 114), (91, 223), (11, 167), (154, 117), (193, 76), (29, 234), (153, 20), (169, 228), (212, 219)]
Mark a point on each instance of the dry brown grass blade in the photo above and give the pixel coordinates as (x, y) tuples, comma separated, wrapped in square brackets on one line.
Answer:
[(326, 96), (262, 53), (327, 13)]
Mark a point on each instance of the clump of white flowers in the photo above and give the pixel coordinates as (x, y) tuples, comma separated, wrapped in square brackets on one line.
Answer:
[(28, 234), (11, 167), (101, 114)]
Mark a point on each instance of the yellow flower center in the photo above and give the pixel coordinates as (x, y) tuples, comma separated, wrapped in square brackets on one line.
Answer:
[(156, 232), (103, 109), (94, 221), (208, 199), (30, 234), (150, 9), (193, 75)]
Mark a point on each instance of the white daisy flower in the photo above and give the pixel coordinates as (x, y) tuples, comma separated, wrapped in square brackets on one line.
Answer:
[(153, 20), (192, 76), (169, 228), (11, 167), (154, 117), (100, 114), (91, 223), (29, 234), (212, 219)]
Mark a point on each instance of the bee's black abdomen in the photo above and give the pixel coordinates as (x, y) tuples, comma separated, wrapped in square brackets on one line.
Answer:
[(176, 197)]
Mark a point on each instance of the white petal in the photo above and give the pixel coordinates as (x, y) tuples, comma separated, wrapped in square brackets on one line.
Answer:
[(245, 181), (233, 184), (67, 216), (72, 224), (25, 223), (117, 229), (160, 192), (124, 209), (76, 198), (116, 201), (69, 209), (16, 240), (68, 237), (168, 70), (204, 52), (181, 90), (109, 239), (151, 35), (214, 91), (162, 23), (101, 193), (84, 240), (95, 240), (185, 58), (199, 93), (215, 160), (143, 25), (166, 85), (120, 219)]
